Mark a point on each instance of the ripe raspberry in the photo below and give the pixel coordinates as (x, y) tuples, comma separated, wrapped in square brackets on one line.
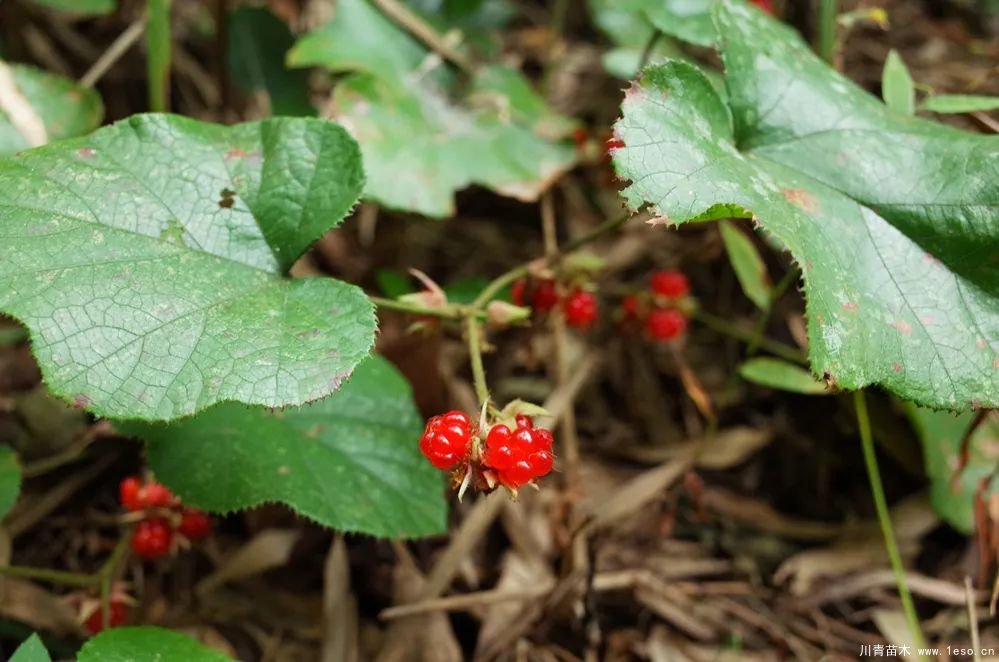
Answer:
[(580, 309), (155, 495), (152, 539), (128, 493), (670, 284), (117, 615), (545, 296), (665, 324), (520, 455), (194, 524), (446, 441)]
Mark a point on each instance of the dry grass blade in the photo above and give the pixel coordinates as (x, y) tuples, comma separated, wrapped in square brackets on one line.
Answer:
[(938, 590), (267, 550), (519, 574), (765, 518), (29, 603), (339, 607), (642, 489)]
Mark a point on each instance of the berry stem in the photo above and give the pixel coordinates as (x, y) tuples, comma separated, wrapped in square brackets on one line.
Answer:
[(448, 312), (106, 573), (474, 331)]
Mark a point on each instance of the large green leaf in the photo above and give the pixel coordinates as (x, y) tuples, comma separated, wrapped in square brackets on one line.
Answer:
[(31, 650), (64, 108), (422, 140), (146, 260), (892, 218), (688, 20), (146, 644), (350, 461), (258, 43), (10, 479), (951, 492)]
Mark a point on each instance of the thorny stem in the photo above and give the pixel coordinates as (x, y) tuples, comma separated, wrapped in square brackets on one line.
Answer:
[(884, 518)]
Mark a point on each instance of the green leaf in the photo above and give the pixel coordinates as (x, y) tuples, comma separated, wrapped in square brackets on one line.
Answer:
[(10, 479), (748, 265), (688, 20), (897, 88), (64, 108), (258, 43), (953, 494), (775, 373), (146, 260), (32, 650), (146, 644), (892, 218), (959, 103), (80, 6), (350, 461), (419, 149), (422, 138)]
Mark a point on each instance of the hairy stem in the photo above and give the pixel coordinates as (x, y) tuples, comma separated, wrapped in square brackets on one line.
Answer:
[(474, 331)]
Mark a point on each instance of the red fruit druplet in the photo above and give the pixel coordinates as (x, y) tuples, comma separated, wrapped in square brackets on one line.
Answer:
[(517, 291), (541, 463), (195, 524), (666, 324), (545, 296), (580, 309), (524, 421), (117, 615), (152, 538), (155, 495), (128, 493), (518, 456), (446, 441), (670, 284)]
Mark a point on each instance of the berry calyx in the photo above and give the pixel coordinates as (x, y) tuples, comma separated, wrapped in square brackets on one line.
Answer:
[(665, 324), (152, 538), (194, 524), (545, 296), (670, 284), (518, 456), (580, 309), (117, 615), (128, 494), (446, 441)]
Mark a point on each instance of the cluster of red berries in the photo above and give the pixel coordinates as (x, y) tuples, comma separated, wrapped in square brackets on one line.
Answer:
[(512, 458), (163, 516), (663, 308), (579, 306), (117, 615)]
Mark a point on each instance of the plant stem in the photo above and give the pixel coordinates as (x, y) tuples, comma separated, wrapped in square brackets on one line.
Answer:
[(106, 575), (827, 30), (158, 55), (474, 331), (725, 327), (423, 31), (761, 323), (647, 51), (884, 518), (46, 575), (448, 312), (114, 52)]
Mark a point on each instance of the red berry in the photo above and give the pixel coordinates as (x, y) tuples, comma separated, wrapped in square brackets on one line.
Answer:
[(630, 307), (665, 324), (670, 284), (195, 524), (117, 615), (518, 456), (545, 296), (524, 421), (155, 495), (517, 291), (152, 539), (614, 143), (580, 309), (447, 439), (128, 494)]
